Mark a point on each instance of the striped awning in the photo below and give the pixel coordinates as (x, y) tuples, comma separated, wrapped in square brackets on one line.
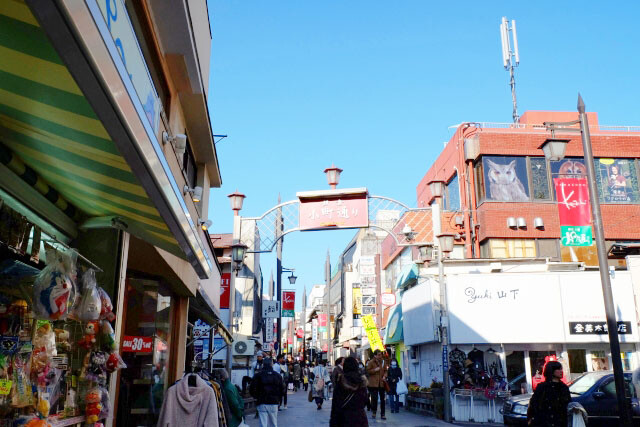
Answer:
[(46, 121)]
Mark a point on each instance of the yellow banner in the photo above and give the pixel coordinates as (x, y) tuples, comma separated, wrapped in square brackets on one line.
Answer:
[(372, 333), (357, 301)]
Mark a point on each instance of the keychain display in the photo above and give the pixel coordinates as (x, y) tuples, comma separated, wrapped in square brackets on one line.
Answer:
[(53, 290)]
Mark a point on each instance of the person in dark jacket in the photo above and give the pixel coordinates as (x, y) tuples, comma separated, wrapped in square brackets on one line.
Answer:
[(297, 375), (394, 375), (236, 403), (349, 397), (267, 388), (548, 405), (337, 371)]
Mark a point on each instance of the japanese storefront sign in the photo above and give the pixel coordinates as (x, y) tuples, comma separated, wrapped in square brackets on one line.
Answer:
[(314, 330), (369, 300), (270, 309), (367, 260), (597, 328), (345, 211), (369, 290), (299, 333), (372, 333), (322, 322), (201, 329), (225, 282), (137, 344), (368, 280), (268, 331), (369, 309), (357, 300), (288, 303), (368, 270), (388, 299), (574, 211)]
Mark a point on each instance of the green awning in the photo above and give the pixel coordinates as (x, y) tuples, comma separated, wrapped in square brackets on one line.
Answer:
[(394, 333), (408, 275), (46, 121)]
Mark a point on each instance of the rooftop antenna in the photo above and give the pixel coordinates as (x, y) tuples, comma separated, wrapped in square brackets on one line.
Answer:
[(510, 58)]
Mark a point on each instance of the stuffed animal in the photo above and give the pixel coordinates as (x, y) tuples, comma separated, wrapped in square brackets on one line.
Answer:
[(108, 336), (43, 407), (93, 407), (63, 340), (106, 311), (115, 362), (55, 297), (89, 338)]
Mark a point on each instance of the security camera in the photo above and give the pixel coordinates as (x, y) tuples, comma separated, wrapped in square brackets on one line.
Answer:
[(180, 141), (408, 232)]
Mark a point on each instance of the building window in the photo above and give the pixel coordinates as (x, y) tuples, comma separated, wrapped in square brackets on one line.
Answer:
[(539, 178), (548, 248), (189, 167), (511, 248), (452, 195), (506, 179)]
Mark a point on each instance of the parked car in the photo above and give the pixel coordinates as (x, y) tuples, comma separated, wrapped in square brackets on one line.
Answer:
[(595, 391)]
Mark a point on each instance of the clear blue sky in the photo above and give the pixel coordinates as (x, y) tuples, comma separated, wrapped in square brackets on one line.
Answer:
[(373, 87)]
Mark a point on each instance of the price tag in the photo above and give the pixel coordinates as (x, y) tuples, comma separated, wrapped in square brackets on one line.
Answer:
[(5, 386)]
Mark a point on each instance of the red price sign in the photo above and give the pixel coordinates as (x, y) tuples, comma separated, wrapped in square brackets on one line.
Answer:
[(137, 344)]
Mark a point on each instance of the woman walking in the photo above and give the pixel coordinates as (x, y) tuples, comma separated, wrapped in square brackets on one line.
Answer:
[(394, 375), (321, 377), (349, 397), (548, 405)]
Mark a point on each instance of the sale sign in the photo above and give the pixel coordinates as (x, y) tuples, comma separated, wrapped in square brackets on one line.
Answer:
[(288, 303), (137, 344), (225, 282), (574, 210)]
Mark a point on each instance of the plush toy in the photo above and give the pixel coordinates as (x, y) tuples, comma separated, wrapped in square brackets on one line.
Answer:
[(95, 367), (93, 407), (108, 336), (90, 304), (115, 362), (53, 287), (43, 407), (106, 312), (63, 340), (89, 338)]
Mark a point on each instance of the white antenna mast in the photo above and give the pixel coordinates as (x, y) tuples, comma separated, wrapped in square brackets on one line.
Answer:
[(510, 58)]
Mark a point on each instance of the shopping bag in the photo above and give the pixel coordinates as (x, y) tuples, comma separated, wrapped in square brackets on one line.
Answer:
[(310, 395), (577, 420), (290, 386), (401, 388)]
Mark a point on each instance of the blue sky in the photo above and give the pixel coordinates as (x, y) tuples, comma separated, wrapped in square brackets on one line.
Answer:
[(373, 87)]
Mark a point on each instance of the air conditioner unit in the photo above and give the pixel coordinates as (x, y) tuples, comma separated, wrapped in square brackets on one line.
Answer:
[(244, 348), (414, 354)]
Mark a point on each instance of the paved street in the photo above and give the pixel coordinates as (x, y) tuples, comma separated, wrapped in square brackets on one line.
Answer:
[(301, 412)]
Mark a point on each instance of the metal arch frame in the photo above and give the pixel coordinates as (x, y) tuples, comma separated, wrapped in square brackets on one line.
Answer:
[(291, 202)]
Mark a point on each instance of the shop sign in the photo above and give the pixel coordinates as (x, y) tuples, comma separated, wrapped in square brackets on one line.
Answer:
[(268, 331), (225, 283), (445, 357), (372, 333), (5, 387), (597, 328), (369, 300), (288, 303), (367, 260), (367, 270), (388, 299), (357, 300), (324, 347), (322, 322), (314, 330), (117, 20), (137, 344), (299, 333), (201, 329), (369, 309), (369, 290), (573, 201), (345, 211), (270, 309), (576, 235), (367, 279)]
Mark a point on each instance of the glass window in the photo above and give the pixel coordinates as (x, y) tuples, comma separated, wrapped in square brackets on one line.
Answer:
[(577, 362), (479, 178), (617, 181), (506, 179), (189, 166), (599, 361), (537, 360), (627, 360), (453, 194), (539, 178), (512, 248)]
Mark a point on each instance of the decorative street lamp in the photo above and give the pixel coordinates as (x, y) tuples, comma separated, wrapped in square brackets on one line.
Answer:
[(554, 148), (426, 253), (292, 278), (436, 187), (238, 249), (445, 241), (333, 176), (237, 199)]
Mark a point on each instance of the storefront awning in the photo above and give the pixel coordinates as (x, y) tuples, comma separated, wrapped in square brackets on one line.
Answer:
[(408, 275), (394, 333)]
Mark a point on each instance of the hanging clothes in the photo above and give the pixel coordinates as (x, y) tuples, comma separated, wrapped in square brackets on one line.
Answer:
[(186, 405), (223, 411)]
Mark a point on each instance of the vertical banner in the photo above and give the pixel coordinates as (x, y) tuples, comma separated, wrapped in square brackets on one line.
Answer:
[(322, 322), (225, 282), (372, 333), (574, 210), (288, 303), (357, 301)]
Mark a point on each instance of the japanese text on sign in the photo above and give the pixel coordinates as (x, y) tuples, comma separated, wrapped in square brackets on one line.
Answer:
[(288, 303), (372, 333), (597, 328), (347, 212), (474, 295), (270, 309)]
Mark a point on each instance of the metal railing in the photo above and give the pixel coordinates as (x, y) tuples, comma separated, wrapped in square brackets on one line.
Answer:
[(539, 126)]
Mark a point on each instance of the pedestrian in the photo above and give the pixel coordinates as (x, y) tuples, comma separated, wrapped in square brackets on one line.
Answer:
[(548, 405), (349, 396), (236, 403), (363, 371), (267, 389), (257, 367), (297, 375), (284, 373), (377, 375), (321, 377), (305, 377), (336, 372), (394, 375)]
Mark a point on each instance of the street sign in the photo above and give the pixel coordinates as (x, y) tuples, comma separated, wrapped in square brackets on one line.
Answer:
[(368, 300), (388, 299), (270, 309), (369, 309), (576, 235), (369, 291)]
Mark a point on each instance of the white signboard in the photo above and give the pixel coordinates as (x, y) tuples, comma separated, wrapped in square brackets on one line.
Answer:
[(364, 280), (368, 270), (533, 308), (388, 299), (418, 314), (268, 336), (368, 309), (270, 309), (367, 260)]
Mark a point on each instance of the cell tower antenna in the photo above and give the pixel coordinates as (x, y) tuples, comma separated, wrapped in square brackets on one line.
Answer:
[(510, 58)]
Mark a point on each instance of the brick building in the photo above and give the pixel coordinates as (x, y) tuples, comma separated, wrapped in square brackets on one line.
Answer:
[(494, 172)]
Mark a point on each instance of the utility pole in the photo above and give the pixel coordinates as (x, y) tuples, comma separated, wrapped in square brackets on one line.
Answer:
[(327, 310), (279, 230), (304, 323)]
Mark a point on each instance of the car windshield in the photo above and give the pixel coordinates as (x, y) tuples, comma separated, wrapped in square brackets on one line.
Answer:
[(583, 383)]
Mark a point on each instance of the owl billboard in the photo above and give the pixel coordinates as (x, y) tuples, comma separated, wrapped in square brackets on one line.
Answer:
[(506, 179)]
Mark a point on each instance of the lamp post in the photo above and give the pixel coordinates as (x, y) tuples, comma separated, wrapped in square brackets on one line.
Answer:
[(333, 176), (445, 243), (554, 149), (238, 250)]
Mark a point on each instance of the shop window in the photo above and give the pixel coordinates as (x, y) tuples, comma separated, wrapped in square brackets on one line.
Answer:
[(548, 248), (478, 172), (536, 359), (627, 360), (506, 179), (516, 375), (599, 361), (577, 362), (512, 248), (145, 346), (539, 178)]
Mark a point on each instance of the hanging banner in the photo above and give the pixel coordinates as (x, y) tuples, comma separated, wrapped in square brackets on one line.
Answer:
[(576, 235), (225, 282), (322, 322), (372, 333), (574, 210), (268, 331), (357, 301), (270, 309), (288, 303), (333, 209), (300, 333)]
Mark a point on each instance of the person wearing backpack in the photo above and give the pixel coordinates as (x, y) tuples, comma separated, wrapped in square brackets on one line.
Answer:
[(321, 377), (349, 396), (267, 388)]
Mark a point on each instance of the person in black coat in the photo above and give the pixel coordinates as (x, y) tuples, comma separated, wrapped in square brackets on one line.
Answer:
[(394, 375), (349, 397), (548, 405)]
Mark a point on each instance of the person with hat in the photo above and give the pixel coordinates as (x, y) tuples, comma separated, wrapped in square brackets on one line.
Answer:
[(548, 405), (236, 403)]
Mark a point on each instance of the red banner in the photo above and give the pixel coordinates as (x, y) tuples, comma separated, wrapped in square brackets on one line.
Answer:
[(346, 211), (299, 333), (288, 303), (573, 201), (137, 344), (322, 319), (225, 282)]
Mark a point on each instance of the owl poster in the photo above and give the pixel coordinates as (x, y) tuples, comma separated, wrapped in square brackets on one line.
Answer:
[(506, 179)]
